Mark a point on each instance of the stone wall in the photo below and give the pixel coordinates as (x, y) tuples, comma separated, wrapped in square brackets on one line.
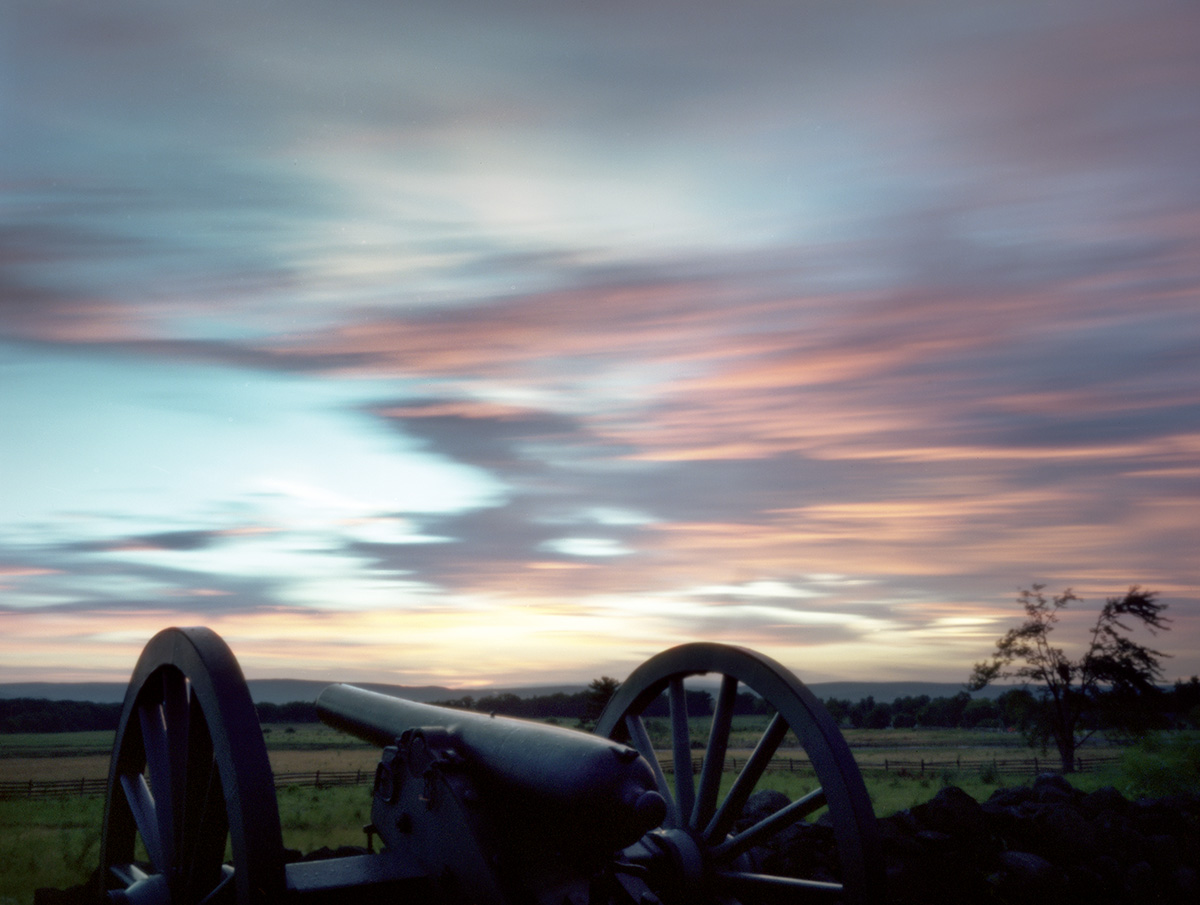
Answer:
[(1046, 844)]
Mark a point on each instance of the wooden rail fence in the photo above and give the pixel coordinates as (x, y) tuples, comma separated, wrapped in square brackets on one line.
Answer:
[(1029, 766), (998, 766), (39, 788)]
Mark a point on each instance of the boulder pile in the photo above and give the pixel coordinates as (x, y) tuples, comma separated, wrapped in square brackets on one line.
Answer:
[(1046, 843)]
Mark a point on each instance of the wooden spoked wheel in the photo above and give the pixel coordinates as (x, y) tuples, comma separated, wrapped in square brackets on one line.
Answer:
[(190, 780), (708, 849)]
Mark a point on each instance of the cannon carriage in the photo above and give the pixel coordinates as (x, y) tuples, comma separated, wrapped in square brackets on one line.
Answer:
[(487, 810)]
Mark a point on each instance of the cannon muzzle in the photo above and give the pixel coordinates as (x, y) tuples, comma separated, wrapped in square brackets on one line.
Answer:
[(545, 768)]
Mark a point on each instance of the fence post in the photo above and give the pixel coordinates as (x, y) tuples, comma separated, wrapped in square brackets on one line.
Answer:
[(922, 766)]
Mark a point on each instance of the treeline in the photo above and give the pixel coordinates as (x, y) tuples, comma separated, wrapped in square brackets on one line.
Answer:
[(588, 705), (1175, 706), (292, 712), (41, 715), (1016, 709), (958, 712)]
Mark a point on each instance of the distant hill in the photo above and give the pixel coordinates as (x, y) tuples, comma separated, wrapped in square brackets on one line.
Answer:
[(285, 691), (263, 691), (96, 692)]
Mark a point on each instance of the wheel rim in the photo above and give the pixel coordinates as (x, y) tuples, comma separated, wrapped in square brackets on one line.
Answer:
[(701, 853), (189, 778)]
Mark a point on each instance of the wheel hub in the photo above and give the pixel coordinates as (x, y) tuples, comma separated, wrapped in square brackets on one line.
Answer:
[(678, 865)]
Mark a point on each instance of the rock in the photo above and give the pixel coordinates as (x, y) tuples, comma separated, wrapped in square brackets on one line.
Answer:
[(1105, 800), (325, 853), (1186, 884), (1053, 788), (1064, 834), (1141, 882), (1048, 844), (1011, 797), (1026, 877), (1153, 817), (1163, 852), (951, 811), (84, 894), (763, 803), (898, 833)]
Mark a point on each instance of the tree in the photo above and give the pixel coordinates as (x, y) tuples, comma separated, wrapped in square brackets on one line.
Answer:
[(1112, 664), (859, 710), (878, 717), (944, 712), (597, 696), (980, 713), (839, 709), (1017, 708)]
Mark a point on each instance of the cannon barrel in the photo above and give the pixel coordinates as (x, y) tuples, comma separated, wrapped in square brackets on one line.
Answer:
[(543, 765)]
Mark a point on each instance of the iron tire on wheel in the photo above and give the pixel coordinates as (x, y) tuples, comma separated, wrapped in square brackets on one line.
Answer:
[(701, 842), (190, 778)]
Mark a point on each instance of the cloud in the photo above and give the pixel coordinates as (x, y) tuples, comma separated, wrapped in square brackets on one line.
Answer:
[(572, 326)]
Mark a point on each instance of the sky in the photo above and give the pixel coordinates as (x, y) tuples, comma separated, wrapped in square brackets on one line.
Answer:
[(484, 342)]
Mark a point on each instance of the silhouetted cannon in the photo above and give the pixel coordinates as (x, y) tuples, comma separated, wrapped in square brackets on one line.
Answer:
[(484, 809)]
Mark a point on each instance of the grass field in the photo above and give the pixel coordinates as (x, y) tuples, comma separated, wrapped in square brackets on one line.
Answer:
[(55, 841)]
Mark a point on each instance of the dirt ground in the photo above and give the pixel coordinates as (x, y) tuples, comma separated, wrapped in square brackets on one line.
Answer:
[(95, 766)]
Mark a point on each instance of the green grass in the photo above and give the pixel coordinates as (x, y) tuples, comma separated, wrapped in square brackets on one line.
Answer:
[(312, 818), (307, 737), (55, 744), (1161, 765), (55, 842), (278, 736), (47, 842)]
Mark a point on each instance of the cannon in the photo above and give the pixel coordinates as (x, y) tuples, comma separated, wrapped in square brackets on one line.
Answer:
[(476, 809)]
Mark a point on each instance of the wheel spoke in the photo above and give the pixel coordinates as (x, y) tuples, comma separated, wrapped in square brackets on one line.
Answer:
[(714, 754), (769, 826), (208, 826), (145, 815), (157, 746), (223, 890), (177, 719), (640, 739), (747, 779), (681, 747), (127, 874), (815, 890)]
